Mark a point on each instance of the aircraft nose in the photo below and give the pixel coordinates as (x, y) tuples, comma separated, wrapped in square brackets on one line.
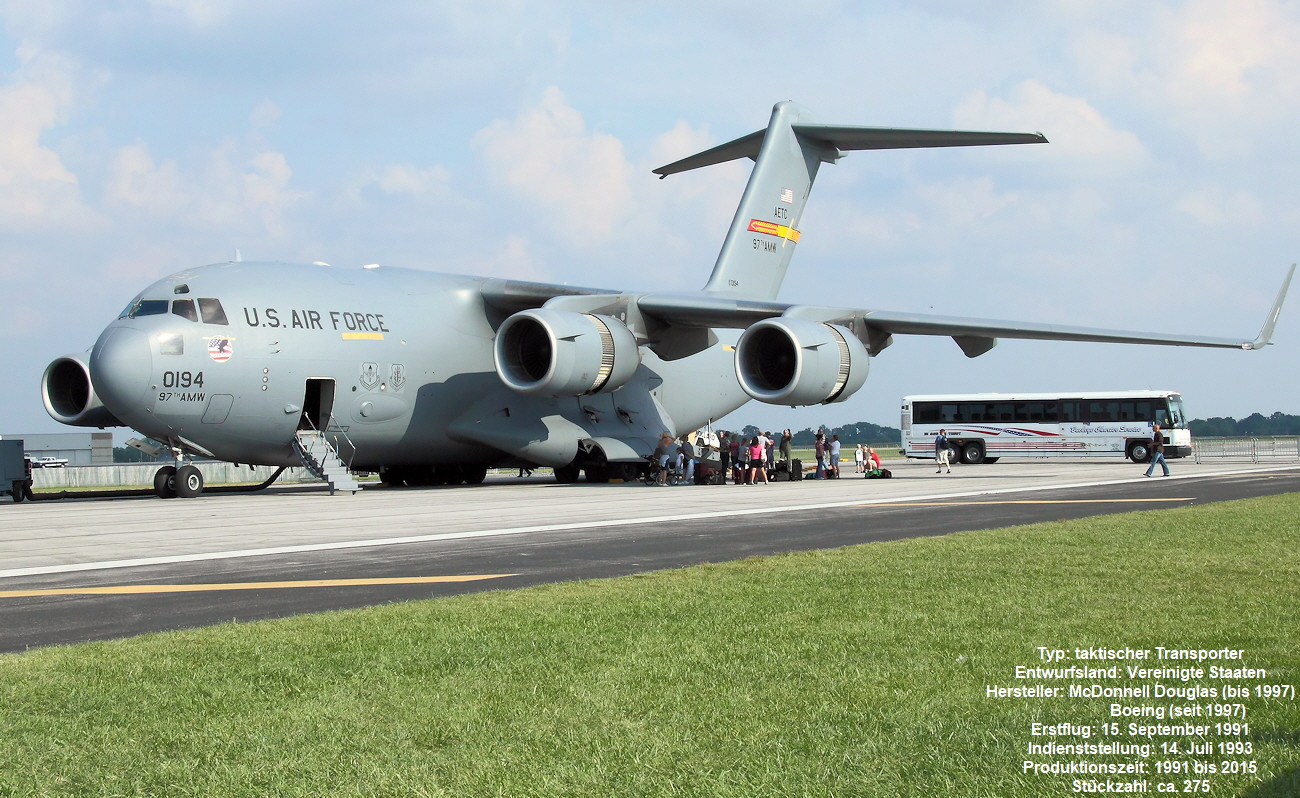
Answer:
[(121, 365)]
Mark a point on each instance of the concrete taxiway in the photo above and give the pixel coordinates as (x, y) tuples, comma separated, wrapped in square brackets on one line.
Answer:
[(94, 569)]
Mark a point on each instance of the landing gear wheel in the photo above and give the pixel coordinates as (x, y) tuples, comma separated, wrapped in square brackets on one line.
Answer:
[(189, 482), (392, 477), (164, 482), (567, 475), (17, 493), (474, 475), (624, 472)]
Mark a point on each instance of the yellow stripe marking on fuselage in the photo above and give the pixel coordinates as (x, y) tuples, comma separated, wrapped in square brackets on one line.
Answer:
[(132, 590), (363, 336)]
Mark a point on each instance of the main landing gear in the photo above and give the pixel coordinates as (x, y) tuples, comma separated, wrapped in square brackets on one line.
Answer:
[(171, 482)]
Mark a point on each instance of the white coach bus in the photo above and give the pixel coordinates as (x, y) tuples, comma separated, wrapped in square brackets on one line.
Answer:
[(985, 427)]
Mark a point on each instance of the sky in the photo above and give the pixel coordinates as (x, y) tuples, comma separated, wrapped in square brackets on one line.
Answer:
[(517, 139)]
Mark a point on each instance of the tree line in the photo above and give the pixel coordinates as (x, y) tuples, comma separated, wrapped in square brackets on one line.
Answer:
[(1255, 425)]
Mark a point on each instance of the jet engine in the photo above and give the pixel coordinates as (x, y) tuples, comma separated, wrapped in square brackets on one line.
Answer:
[(796, 362), (69, 396), (562, 353)]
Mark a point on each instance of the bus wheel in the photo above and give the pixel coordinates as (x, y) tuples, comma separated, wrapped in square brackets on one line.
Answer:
[(1139, 451), (972, 453)]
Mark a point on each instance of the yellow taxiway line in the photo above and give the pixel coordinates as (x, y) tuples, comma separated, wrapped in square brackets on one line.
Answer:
[(128, 590)]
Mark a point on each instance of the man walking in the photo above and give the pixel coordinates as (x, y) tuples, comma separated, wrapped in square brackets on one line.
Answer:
[(1157, 451), (942, 451)]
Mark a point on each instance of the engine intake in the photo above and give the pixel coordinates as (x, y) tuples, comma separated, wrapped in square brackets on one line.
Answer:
[(796, 362), (561, 353), (69, 397)]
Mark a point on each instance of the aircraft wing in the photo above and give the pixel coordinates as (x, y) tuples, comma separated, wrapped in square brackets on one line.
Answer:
[(974, 336)]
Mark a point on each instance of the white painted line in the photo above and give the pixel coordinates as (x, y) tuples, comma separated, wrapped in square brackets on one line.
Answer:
[(526, 530)]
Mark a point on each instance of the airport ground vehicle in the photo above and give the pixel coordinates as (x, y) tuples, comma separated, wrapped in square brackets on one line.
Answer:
[(49, 462), (15, 470), (984, 427)]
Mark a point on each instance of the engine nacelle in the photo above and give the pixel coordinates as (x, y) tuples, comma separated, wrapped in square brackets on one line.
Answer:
[(562, 353), (796, 362), (70, 398)]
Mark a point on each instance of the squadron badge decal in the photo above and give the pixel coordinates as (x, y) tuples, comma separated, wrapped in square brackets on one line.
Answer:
[(220, 349)]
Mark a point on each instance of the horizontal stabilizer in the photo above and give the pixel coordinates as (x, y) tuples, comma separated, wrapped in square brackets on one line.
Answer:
[(743, 147), (849, 137)]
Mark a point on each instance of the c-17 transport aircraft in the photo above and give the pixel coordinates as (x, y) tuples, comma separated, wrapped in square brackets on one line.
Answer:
[(430, 378)]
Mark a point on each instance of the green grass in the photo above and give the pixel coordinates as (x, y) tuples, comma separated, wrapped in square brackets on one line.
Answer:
[(860, 671)]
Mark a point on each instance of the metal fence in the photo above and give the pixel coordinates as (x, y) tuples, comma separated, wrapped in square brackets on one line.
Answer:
[(1247, 450)]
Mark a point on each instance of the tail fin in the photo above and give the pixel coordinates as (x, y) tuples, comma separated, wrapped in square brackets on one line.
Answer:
[(760, 243)]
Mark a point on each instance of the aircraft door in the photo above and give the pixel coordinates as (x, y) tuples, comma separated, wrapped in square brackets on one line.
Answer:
[(317, 404)]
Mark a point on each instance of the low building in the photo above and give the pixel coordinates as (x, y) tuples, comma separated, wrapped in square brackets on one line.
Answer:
[(78, 448)]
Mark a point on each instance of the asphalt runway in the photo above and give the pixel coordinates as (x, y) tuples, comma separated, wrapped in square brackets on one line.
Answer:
[(80, 570)]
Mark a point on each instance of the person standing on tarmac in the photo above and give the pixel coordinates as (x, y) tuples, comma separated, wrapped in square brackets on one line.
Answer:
[(757, 465), (1157, 451)]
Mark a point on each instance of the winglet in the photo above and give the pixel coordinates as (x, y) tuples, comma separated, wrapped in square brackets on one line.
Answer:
[(1270, 321)]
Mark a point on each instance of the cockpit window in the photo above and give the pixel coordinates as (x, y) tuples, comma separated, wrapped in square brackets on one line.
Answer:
[(144, 307), (212, 311), (185, 309)]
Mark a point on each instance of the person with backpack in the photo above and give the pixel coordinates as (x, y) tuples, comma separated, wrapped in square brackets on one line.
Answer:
[(942, 452)]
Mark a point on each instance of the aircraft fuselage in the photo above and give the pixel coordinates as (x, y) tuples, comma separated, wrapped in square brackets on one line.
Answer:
[(235, 358)]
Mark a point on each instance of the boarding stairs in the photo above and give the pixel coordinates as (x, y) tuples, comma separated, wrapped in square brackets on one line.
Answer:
[(321, 458)]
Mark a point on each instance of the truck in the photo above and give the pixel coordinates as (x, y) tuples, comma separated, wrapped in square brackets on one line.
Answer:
[(15, 470)]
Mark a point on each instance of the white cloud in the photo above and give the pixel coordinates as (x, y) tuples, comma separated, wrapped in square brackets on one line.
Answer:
[(578, 179), (1081, 137), (1216, 207), (405, 179), (232, 190), (1208, 66), (37, 190)]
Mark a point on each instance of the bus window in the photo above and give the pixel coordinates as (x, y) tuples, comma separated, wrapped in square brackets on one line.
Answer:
[(1051, 412), (1030, 411), (1103, 411), (1071, 410)]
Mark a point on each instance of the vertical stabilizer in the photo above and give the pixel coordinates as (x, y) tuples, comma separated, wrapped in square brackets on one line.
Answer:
[(765, 230)]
